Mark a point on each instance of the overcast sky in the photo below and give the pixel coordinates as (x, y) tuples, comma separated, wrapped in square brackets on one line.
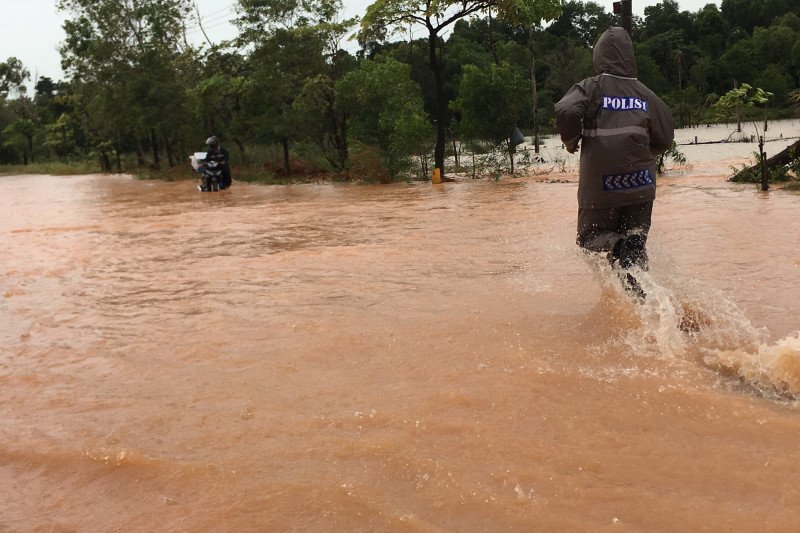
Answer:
[(31, 29)]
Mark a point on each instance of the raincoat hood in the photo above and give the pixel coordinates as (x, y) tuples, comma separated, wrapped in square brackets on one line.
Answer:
[(613, 53)]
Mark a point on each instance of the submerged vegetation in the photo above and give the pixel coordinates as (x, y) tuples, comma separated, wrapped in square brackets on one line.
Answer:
[(293, 100)]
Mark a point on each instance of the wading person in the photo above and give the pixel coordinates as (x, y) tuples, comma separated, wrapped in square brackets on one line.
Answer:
[(623, 127)]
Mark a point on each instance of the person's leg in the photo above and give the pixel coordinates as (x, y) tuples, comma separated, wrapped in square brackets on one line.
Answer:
[(622, 233), (598, 229), (636, 219), (634, 225)]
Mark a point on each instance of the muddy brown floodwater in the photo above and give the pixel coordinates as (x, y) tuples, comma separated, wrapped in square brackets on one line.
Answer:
[(396, 358)]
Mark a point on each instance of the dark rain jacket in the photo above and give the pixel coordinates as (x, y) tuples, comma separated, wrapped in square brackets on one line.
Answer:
[(223, 158), (624, 126)]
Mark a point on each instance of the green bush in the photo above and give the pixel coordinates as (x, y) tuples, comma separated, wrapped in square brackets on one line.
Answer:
[(779, 174), (367, 164)]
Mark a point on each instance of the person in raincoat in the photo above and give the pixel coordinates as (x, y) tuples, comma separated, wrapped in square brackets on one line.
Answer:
[(622, 128), (219, 154)]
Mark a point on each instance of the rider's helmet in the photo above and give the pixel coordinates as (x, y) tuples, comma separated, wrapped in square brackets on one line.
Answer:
[(212, 141)]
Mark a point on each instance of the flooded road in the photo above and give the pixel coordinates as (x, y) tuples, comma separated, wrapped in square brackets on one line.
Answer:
[(397, 358)]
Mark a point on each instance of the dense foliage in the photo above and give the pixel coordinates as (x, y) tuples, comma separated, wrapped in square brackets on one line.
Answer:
[(137, 94)]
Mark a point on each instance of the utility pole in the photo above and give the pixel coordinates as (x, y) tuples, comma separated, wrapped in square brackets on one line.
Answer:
[(624, 9)]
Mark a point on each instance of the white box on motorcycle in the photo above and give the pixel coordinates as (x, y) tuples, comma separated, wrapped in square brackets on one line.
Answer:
[(197, 158)]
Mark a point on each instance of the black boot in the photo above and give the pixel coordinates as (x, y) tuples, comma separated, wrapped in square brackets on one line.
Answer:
[(630, 251)]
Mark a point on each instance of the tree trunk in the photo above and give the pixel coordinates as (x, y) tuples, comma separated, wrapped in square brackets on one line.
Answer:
[(436, 67), (154, 144), (338, 134), (286, 167), (140, 153), (782, 158), (169, 150), (683, 98), (473, 164), (105, 162), (240, 146), (119, 162), (344, 149), (492, 44), (339, 137), (534, 96), (511, 150), (764, 173), (455, 150)]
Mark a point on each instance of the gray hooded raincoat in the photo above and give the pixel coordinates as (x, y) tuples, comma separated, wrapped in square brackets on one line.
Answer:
[(623, 124)]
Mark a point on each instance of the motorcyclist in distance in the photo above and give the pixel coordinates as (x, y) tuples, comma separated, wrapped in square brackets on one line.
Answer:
[(219, 154)]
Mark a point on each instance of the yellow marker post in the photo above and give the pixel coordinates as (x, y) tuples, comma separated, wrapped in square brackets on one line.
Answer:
[(437, 175)]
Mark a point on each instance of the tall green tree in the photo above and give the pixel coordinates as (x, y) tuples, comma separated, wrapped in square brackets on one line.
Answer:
[(216, 96), (385, 110), (60, 137), (125, 55), (582, 22), (20, 134), (13, 76), (293, 42), (492, 103), (436, 16)]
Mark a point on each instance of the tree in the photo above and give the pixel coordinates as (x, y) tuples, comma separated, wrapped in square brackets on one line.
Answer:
[(217, 96), (492, 102), (319, 113), (436, 16), (13, 75), (582, 22), (666, 17), (293, 41), (60, 138), (742, 14), (20, 135), (281, 65), (385, 110), (568, 64), (125, 55), (319, 100), (775, 81), (740, 100), (711, 31)]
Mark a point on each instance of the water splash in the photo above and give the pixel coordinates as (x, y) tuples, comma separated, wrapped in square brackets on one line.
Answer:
[(698, 320), (772, 369), (660, 313)]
